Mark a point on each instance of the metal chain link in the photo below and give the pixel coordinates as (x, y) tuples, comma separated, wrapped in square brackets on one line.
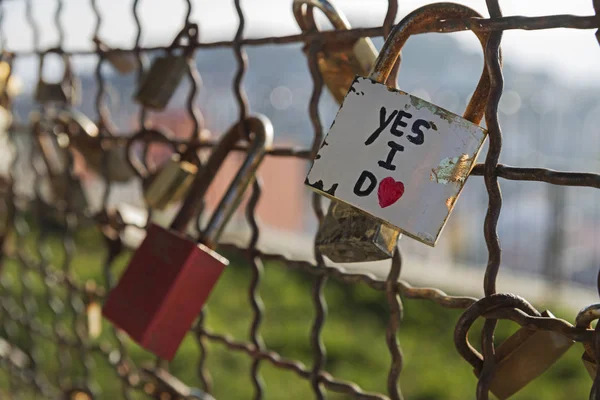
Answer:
[(64, 295)]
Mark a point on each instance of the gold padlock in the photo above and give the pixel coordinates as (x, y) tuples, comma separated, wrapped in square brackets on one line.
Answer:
[(519, 359), (584, 320), (61, 93), (123, 62), (339, 61), (83, 135), (171, 183), (524, 356), (160, 82), (372, 182)]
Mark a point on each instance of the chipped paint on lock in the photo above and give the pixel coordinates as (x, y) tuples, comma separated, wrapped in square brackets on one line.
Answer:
[(383, 134), (450, 202), (452, 170)]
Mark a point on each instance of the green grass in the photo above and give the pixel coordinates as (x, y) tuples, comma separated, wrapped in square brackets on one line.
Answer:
[(354, 334)]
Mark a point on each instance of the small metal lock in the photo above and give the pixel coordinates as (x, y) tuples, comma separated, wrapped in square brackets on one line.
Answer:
[(83, 135), (162, 385), (160, 82), (584, 319), (55, 157), (171, 183), (339, 62), (123, 62), (61, 93), (524, 356), (409, 158), (170, 277)]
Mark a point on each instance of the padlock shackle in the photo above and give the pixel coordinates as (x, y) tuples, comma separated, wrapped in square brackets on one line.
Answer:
[(84, 124), (419, 20), (303, 12), (191, 31), (146, 136), (68, 72), (584, 319), (260, 141), (483, 306)]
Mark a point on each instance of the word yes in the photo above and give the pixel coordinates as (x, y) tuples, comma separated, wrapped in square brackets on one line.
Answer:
[(395, 120)]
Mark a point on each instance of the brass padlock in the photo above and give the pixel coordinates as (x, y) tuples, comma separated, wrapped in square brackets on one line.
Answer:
[(524, 356), (123, 62), (160, 82), (519, 359), (339, 61), (171, 183), (64, 92), (413, 192), (584, 320), (84, 137), (162, 385)]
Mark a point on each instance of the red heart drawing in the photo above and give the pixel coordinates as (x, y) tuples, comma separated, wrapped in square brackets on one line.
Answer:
[(389, 192)]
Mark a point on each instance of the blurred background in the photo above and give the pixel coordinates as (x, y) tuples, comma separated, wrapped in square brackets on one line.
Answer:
[(549, 114)]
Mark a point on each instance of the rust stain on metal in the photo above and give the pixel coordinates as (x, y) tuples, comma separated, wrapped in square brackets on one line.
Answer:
[(450, 202), (451, 170)]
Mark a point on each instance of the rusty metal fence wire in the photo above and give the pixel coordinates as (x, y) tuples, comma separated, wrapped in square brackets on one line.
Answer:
[(20, 310)]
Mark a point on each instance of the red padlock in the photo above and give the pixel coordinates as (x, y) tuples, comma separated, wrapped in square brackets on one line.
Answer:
[(170, 277)]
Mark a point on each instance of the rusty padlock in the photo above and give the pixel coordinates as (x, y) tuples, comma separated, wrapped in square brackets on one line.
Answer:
[(522, 357), (170, 277), (123, 62), (165, 74), (162, 385), (584, 319), (62, 93), (84, 137), (416, 190)]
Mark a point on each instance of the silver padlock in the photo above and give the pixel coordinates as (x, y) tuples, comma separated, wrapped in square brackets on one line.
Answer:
[(62, 93), (160, 82), (397, 158), (123, 62)]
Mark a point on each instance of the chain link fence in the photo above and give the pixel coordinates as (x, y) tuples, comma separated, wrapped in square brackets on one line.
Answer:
[(30, 225)]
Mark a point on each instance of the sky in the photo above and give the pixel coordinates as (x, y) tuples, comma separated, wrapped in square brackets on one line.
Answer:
[(570, 55)]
